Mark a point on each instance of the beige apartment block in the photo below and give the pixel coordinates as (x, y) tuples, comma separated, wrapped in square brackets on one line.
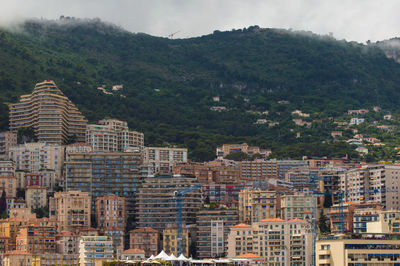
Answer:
[(111, 212), (170, 241), (7, 140), (162, 159), (37, 157), (36, 197), (71, 210), (299, 205), (278, 241), (256, 205), (8, 184), (17, 257), (113, 135), (7, 168), (52, 115), (370, 250), (392, 185), (95, 249)]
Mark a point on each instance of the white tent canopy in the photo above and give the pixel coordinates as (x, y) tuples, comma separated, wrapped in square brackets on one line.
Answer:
[(182, 258), (172, 258), (162, 255), (151, 257)]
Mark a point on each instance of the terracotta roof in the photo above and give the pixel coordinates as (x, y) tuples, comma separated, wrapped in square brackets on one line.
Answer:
[(17, 252), (296, 220), (241, 225), (273, 220), (248, 256), (133, 250), (144, 229)]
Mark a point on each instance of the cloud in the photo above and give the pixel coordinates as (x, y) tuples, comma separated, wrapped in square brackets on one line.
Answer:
[(346, 19)]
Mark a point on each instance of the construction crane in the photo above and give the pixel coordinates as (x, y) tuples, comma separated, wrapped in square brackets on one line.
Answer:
[(172, 34), (178, 195)]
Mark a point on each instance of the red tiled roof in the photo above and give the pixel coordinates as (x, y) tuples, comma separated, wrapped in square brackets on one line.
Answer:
[(296, 220), (248, 256), (241, 225), (273, 220)]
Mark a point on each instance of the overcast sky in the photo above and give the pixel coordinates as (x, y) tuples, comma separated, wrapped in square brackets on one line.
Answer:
[(358, 20)]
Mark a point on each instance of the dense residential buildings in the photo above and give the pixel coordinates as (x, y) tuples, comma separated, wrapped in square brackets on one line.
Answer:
[(54, 118), (225, 194), (298, 206), (277, 241), (7, 168), (145, 238), (8, 184), (36, 157), (102, 173), (345, 250), (7, 140), (36, 197), (170, 241), (256, 205), (213, 226), (36, 239), (161, 159), (113, 135), (156, 201), (258, 170), (71, 210), (392, 185)]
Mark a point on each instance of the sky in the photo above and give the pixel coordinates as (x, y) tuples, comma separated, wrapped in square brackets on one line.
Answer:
[(353, 20)]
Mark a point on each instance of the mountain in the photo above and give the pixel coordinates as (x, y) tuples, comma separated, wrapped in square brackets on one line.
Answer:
[(169, 84)]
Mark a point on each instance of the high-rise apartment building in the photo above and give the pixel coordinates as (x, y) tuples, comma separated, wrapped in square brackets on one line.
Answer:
[(51, 114), (7, 140), (156, 201), (102, 173), (111, 212), (38, 157), (37, 239), (145, 238), (258, 170), (278, 241), (256, 205), (162, 159), (213, 226), (392, 185), (71, 210), (364, 184), (113, 135)]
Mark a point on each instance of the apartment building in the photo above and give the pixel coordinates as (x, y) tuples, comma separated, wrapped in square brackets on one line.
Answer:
[(370, 250), (217, 171), (17, 257), (213, 226), (38, 157), (50, 113), (111, 212), (7, 139), (226, 194), (8, 184), (145, 238), (36, 197), (341, 217), (113, 135), (364, 184), (258, 170), (51, 259), (298, 206), (161, 159), (104, 173), (363, 214), (392, 185), (170, 241), (226, 149), (156, 203), (95, 249), (301, 177), (257, 205), (278, 241), (7, 168), (329, 181), (67, 243), (36, 239), (78, 147), (71, 210)]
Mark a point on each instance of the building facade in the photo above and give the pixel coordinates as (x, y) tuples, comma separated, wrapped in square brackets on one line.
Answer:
[(161, 159), (111, 212), (94, 249), (50, 113), (7, 140), (256, 205), (145, 238)]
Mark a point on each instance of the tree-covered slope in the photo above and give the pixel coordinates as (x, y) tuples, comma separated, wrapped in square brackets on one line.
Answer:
[(169, 84)]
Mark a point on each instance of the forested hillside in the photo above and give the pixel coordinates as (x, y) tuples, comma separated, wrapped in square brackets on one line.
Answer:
[(169, 85)]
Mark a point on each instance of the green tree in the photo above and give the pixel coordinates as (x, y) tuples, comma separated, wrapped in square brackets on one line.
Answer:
[(237, 156), (323, 223)]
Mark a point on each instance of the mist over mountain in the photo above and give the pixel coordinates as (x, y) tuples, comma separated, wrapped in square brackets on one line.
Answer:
[(169, 84)]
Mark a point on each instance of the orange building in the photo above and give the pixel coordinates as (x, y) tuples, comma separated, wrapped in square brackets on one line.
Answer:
[(37, 239), (111, 212), (147, 239)]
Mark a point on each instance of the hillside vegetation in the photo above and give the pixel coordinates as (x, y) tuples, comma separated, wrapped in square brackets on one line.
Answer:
[(168, 85)]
